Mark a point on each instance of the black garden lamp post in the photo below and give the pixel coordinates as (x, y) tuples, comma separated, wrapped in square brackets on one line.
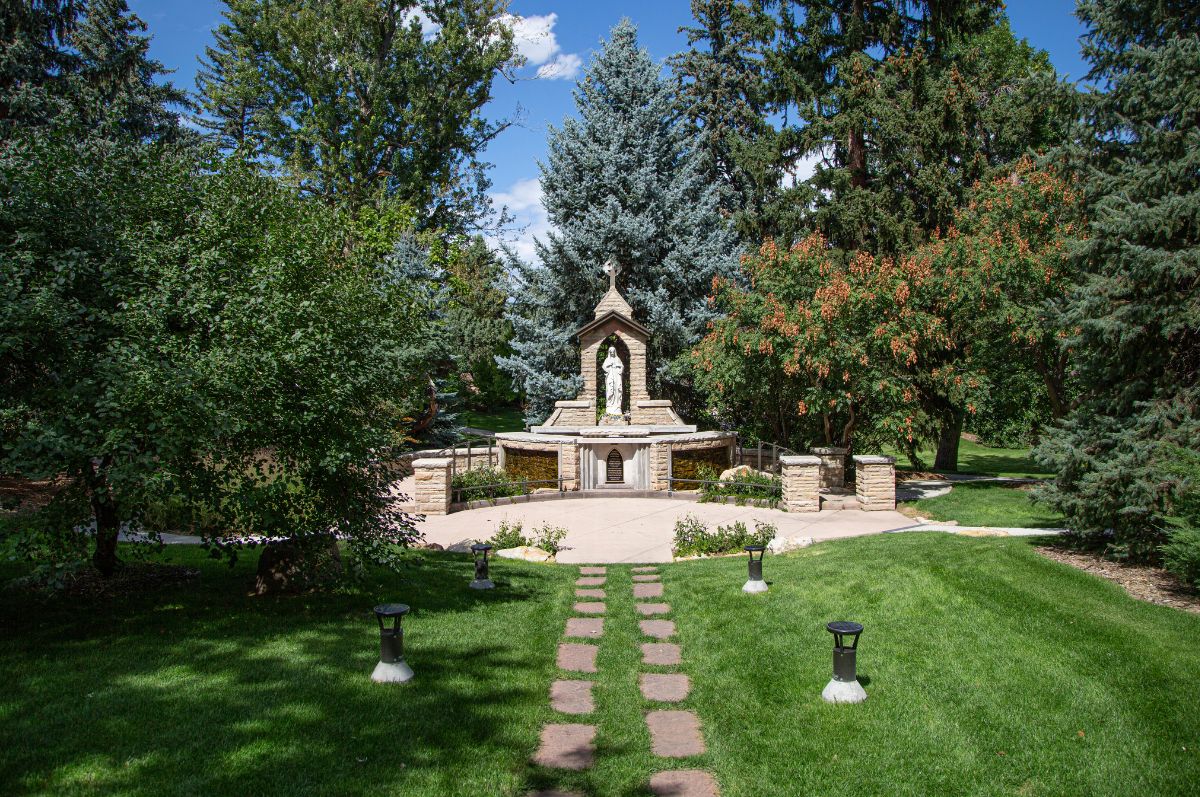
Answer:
[(392, 668), (480, 552), (755, 582), (844, 687)]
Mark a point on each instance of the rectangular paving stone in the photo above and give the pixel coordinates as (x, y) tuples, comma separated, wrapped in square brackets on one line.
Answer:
[(674, 734), (577, 656), (590, 593), (590, 608), (566, 746), (664, 687), (648, 590), (659, 629), (590, 581), (646, 569), (651, 609), (681, 783), (592, 571), (646, 579), (585, 627), (572, 697), (662, 653)]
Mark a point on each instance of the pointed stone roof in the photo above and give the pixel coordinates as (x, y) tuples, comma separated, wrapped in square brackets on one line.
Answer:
[(614, 302)]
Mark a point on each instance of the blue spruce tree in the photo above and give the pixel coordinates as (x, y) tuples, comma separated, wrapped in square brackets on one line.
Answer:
[(624, 181)]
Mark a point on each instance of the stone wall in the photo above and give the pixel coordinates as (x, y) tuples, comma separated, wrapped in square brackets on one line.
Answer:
[(567, 454), (432, 491), (833, 467), (875, 482), (801, 483), (580, 412), (655, 412)]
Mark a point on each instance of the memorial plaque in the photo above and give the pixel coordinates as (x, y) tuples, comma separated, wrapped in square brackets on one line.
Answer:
[(616, 468)]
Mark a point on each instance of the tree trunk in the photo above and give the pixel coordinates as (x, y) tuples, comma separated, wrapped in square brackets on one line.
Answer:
[(948, 437), (108, 520)]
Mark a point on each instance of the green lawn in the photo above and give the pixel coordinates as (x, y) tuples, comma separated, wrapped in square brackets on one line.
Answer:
[(974, 458), (989, 504), (504, 419), (983, 662)]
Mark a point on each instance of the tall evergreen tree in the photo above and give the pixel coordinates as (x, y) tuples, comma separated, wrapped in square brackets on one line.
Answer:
[(723, 91), (1137, 311), (356, 102), (625, 181)]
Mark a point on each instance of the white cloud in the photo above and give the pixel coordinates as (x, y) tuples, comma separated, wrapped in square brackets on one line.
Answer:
[(565, 66), (523, 200), (535, 39), (805, 167)]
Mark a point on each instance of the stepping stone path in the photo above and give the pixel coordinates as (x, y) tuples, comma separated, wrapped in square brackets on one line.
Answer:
[(577, 657), (572, 697), (674, 732), (659, 629), (585, 627), (566, 747), (663, 654), (665, 687), (648, 590)]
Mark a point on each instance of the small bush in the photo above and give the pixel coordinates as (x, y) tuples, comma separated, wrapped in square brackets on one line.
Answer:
[(483, 483), (549, 538), (508, 536), (692, 537), (1181, 555)]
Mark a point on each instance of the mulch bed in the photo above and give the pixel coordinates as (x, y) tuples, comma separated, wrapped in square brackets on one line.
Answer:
[(1142, 582)]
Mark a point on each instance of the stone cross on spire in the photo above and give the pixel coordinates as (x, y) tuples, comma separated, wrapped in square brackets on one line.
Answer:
[(612, 269)]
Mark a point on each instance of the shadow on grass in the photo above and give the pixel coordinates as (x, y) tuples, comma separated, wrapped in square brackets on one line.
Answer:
[(207, 690)]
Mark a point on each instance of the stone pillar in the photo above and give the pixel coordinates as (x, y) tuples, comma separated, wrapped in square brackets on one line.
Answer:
[(568, 465), (433, 485), (833, 467), (660, 457), (801, 483), (875, 484)]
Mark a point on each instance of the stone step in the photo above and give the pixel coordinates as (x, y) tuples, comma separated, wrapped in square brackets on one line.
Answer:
[(659, 629), (675, 734), (577, 657), (832, 502), (590, 593), (590, 581), (663, 654), (590, 608), (651, 609), (566, 746), (590, 627), (592, 571), (648, 590), (647, 578), (646, 569), (664, 687), (572, 697)]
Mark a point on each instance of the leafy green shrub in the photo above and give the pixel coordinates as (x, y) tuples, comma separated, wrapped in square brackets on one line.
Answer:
[(1181, 553), (549, 538), (746, 486), (692, 537), (483, 483), (508, 536)]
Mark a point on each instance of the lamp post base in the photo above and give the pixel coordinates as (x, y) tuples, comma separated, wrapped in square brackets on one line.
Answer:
[(844, 692), (754, 585), (396, 672), (482, 583)]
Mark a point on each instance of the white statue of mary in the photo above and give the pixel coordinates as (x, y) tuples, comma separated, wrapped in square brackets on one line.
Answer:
[(613, 370)]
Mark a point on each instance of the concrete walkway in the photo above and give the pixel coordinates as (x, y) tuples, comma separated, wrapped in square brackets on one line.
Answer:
[(615, 530)]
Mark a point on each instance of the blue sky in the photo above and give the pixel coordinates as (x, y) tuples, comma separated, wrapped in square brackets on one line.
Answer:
[(558, 38)]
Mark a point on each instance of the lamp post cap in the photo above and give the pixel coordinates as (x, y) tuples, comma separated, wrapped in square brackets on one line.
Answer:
[(481, 546), (755, 548), (844, 627), (391, 610)]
